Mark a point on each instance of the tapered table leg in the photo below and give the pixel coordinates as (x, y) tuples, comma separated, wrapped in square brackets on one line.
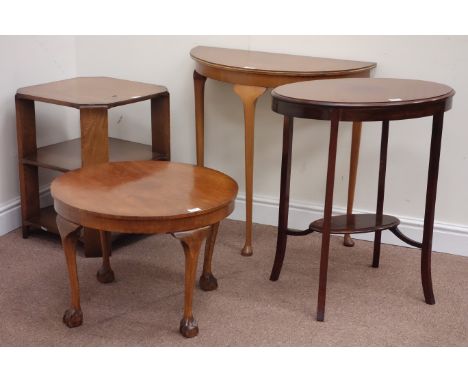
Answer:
[(199, 87), (380, 192), (353, 167), (248, 96), (94, 150), (207, 281), (69, 233), (327, 217), (284, 198), (191, 242), (105, 274), (431, 193)]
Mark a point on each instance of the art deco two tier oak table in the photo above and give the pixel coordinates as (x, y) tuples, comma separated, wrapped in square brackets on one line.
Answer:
[(143, 197), (93, 96), (252, 73), (363, 100)]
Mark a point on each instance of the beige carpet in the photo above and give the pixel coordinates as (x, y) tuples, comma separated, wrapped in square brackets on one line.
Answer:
[(365, 306)]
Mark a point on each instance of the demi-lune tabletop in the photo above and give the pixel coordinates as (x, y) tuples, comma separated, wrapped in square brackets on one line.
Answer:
[(150, 192), (371, 94), (249, 61), (91, 91)]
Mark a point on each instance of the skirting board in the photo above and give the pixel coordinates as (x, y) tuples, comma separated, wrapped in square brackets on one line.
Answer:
[(10, 213), (448, 238)]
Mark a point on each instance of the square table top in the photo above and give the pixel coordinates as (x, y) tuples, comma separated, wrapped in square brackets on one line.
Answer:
[(85, 92)]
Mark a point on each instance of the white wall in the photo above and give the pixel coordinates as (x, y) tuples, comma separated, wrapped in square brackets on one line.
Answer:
[(165, 60), (30, 60)]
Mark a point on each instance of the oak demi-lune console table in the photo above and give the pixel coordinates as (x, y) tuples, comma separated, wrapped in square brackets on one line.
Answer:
[(252, 73), (143, 197), (93, 97), (370, 99)]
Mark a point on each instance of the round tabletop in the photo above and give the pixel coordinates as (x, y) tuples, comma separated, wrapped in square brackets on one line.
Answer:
[(368, 98), (144, 196)]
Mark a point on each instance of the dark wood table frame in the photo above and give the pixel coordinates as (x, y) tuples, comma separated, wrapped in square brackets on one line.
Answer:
[(252, 73), (93, 96), (437, 100)]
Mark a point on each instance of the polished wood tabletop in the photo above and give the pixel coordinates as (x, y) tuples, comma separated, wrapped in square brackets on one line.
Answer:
[(250, 61), (91, 91), (251, 73), (148, 197), (152, 196), (366, 99), (363, 92)]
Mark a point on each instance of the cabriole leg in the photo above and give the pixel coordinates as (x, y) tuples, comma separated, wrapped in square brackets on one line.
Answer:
[(207, 281), (191, 242), (69, 233), (105, 274), (353, 167), (248, 96)]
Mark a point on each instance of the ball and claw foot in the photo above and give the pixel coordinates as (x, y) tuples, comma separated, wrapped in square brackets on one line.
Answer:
[(105, 275), (208, 282), (247, 250), (347, 241), (73, 318), (188, 327)]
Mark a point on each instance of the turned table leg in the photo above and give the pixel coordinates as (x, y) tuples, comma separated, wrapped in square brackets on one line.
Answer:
[(248, 96), (353, 167), (207, 281), (69, 233), (327, 215), (284, 198), (191, 242), (94, 150), (105, 274), (431, 193), (199, 88)]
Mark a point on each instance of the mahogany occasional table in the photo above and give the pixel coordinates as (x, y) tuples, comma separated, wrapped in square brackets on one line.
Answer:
[(364, 100), (143, 197), (93, 96), (252, 73)]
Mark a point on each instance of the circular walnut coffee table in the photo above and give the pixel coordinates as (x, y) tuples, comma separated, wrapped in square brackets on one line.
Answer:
[(360, 99), (143, 197)]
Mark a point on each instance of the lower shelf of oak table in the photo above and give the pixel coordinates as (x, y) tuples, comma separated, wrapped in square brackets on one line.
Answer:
[(45, 220), (66, 156), (356, 223)]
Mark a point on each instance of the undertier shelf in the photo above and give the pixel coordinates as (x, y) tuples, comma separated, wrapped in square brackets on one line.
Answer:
[(356, 223), (66, 156), (45, 220)]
